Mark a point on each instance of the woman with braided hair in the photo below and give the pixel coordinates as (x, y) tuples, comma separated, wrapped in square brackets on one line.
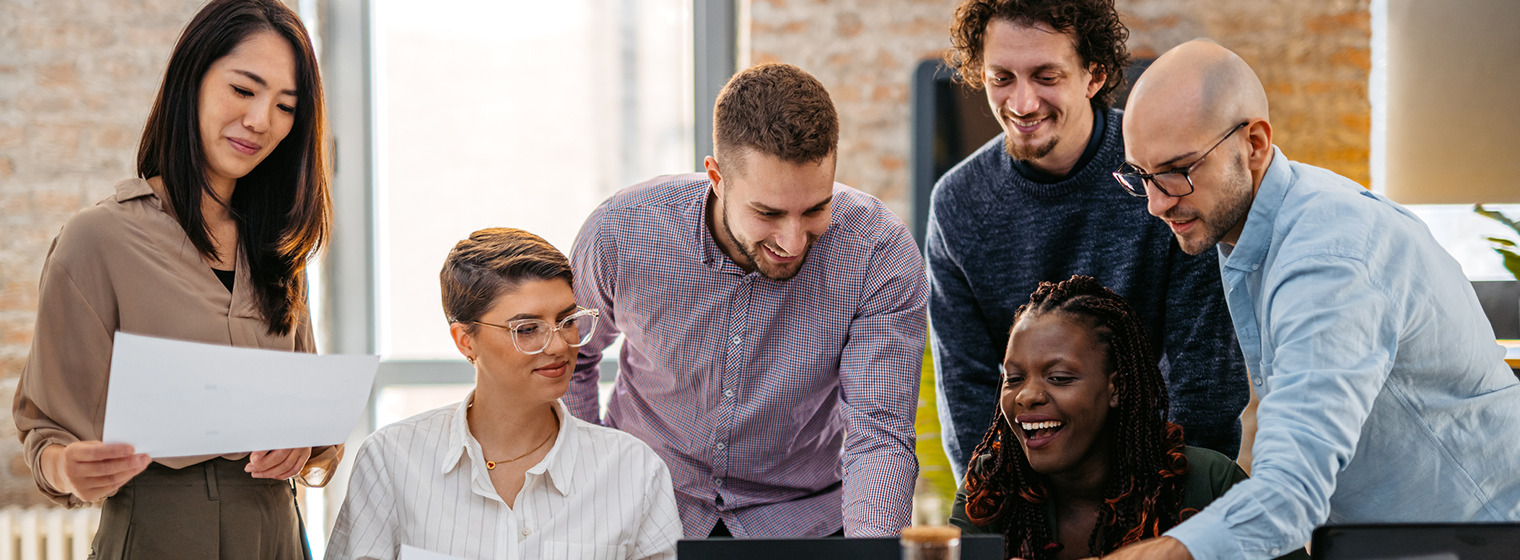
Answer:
[(1080, 459)]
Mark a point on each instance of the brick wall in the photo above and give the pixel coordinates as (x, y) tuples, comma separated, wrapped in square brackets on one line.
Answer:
[(1312, 56), (77, 78)]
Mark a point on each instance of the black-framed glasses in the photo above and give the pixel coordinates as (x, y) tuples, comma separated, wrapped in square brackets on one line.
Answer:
[(1168, 182), (532, 336)]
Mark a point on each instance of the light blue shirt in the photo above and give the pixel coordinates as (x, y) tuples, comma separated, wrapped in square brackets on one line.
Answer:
[(1384, 397)]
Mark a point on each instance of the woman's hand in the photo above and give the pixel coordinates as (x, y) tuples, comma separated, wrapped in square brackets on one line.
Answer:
[(92, 470), (280, 464)]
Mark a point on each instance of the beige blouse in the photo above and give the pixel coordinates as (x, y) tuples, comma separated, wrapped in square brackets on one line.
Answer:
[(126, 265)]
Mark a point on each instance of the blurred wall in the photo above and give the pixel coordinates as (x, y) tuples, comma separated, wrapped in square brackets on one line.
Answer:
[(77, 78), (1313, 57)]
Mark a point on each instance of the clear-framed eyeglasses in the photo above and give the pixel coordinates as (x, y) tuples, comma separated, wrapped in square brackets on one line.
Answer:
[(1175, 183), (532, 336)]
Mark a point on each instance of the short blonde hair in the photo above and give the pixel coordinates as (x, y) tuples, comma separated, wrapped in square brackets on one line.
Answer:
[(491, 262)]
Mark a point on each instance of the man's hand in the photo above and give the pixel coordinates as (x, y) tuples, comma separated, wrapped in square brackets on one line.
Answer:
[(279, 464), (1161, 548), (91, 470)]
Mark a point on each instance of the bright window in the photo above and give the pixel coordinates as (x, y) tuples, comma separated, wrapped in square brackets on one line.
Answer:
[(515, 114)]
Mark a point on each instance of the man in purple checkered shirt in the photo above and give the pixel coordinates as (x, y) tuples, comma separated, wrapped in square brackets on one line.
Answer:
[(774, 325)]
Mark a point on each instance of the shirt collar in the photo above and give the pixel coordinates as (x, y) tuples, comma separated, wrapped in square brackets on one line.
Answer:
[(459, 436), (558, 463), (712, 256), (133, 188), (1256, 237)]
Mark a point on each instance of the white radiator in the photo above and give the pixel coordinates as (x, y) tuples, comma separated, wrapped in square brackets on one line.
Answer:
[(46, 533)]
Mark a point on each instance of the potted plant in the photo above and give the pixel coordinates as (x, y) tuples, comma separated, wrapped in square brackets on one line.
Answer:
[(1507, 248)]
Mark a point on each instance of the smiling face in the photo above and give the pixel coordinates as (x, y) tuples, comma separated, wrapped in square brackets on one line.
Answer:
[(767, 214), (1056, 394), (1040, 92), (501, 368), (247, 105)]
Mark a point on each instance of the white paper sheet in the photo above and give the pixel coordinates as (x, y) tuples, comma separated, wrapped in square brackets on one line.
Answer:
[(170, 398), (413, 553)]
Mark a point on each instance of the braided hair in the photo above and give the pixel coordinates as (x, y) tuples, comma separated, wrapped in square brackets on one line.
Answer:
[(1143, 494)]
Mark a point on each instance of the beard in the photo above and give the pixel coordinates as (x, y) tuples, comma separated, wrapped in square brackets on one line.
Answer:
[(752, 250), (1025, 151), (1235, 205)]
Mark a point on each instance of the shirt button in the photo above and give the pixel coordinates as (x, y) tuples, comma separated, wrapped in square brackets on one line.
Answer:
[(728, 393), (718, 481), (1254, 267), (735, 340), (1276, 551), (721, 445), (526, 531), (1256, 380)]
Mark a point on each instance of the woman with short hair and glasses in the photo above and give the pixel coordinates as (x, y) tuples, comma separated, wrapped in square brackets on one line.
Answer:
[(507, 467)]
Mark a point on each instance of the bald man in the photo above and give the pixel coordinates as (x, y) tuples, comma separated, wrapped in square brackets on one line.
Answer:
[(1383, 395)]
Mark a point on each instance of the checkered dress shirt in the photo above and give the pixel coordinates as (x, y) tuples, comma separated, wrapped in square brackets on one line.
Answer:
[(782, 408)]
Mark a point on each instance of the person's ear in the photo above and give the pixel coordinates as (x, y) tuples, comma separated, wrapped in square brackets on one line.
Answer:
[(1259, 139), (714, 176), (463, 340), (1097, 77)]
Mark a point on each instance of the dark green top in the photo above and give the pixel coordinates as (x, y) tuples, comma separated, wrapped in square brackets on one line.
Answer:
[(1209, 475)]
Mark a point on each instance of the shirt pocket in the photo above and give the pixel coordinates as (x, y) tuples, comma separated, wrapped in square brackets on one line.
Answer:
[(556, 550)]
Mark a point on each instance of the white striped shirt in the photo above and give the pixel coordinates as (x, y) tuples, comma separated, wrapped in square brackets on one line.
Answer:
[(599, 493)]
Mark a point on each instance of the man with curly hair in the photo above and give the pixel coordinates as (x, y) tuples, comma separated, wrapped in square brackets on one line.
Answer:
[(1038, 203)]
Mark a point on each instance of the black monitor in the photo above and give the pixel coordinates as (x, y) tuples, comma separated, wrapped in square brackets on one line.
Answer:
[(973, 547), (1417, 541)]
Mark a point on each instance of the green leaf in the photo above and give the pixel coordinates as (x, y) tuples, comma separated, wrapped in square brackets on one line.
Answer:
[(1501, 241), (1496, 216), (1511, 261)]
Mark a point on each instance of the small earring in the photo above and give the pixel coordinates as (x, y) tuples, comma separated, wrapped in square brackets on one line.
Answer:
[(470, 358)]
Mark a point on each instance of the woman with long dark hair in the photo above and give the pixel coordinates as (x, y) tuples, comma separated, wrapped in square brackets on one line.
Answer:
[(210, 244), (1080, 459)]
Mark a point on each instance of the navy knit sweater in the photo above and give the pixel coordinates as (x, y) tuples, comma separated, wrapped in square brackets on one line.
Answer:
[(995, 234)]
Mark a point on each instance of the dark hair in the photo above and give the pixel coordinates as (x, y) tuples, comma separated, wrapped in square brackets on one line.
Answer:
[(775, 109), (490, 262), (1094, 26), (281, 207), (1143, 498)]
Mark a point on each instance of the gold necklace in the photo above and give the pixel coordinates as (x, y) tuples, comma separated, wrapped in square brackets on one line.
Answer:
[(491, 465)]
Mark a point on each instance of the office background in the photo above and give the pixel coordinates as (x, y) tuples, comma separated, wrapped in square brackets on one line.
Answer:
[(449, 116)]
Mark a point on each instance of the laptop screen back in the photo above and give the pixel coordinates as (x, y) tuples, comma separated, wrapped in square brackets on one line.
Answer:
[(1419, 541)]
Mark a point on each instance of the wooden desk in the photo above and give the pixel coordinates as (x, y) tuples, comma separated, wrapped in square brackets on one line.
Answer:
[(1512, 354)]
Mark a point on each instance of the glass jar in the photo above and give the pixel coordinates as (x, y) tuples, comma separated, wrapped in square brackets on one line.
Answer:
[(931, 542)]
